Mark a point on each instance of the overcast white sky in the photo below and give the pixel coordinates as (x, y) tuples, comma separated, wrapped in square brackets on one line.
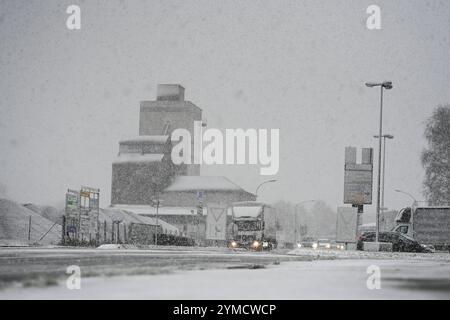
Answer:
[(67, 97)]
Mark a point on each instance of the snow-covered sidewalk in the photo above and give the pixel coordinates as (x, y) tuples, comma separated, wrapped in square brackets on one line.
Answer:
[(353, 254)]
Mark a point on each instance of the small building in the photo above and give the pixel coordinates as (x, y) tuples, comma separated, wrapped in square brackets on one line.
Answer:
[(184, 203), (190, 190)]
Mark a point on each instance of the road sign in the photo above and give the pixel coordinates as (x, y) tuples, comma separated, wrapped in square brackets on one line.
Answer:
[(358, 177), (347, 224), (85, 194), (216, 222), (156, 202)]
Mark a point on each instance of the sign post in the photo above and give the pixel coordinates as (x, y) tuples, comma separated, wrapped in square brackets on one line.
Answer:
[(358, 180), (156, 202)]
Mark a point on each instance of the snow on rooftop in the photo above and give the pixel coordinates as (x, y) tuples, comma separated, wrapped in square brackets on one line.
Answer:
[(138, 157), (126, 214), (150, 139), (190, 183), (142, 209)]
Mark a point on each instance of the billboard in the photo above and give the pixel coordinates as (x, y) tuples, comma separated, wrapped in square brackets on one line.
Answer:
[(216, 222), (346, 224), (81, 214), (72, 213), (358, 177)]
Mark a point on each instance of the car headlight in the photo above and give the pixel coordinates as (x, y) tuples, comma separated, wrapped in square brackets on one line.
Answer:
[(265, 244), (255, 244), (299, 245), (233, 244), (328, 246), (314, 245)]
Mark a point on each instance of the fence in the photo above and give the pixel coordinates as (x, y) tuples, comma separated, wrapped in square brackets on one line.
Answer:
[(122, 233)]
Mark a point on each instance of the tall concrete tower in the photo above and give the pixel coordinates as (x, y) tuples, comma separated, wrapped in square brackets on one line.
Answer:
[(169, 112)]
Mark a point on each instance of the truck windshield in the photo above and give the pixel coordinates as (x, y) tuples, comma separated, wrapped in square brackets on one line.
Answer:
[(247, 211), (404, 215)]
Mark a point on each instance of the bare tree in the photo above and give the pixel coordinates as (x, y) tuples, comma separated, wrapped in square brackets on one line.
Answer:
[(436, 158)]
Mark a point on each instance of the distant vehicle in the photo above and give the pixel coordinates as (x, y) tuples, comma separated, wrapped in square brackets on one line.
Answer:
[(400, 242), (306, 242), (337, 246), (428, 225), (323, 243), (253, 226)]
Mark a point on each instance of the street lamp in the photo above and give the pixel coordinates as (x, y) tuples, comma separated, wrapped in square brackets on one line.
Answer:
[(295, 216), (385, 136), (414, 204), (383, 85), (259, 186)]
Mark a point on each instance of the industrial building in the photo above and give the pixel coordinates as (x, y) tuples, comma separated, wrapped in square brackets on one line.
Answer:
[(143, 173)]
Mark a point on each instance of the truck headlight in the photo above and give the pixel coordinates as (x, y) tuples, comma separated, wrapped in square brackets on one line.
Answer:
[(256, 244), (265, 244), (233, 244), (299, 245), (314, 245), (328, 246)]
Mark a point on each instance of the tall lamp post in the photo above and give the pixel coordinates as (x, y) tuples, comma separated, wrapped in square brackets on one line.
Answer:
[(295, 217), (383, 85), (385, 136), (256, 193), (261, 184), (415, 203)]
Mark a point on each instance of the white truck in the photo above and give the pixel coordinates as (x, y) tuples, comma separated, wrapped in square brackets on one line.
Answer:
[(254, 226), (426, 225)]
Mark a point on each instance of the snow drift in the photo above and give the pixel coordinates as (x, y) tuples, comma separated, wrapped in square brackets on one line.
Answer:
[(14, 222)]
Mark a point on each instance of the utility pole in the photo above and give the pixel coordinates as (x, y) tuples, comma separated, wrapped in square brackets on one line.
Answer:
[(157, 221), (29, 229), (118, 233), (295, 217)]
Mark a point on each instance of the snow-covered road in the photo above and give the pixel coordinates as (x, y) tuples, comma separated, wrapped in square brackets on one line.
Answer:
[(320, 279)]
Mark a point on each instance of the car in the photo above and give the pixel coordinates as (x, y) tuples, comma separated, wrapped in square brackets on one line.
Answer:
[(400, 242), (337, 246), (324, 244), (307, 242)]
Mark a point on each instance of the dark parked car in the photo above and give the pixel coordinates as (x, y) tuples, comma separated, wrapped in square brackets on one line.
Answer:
[(399, 241)]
